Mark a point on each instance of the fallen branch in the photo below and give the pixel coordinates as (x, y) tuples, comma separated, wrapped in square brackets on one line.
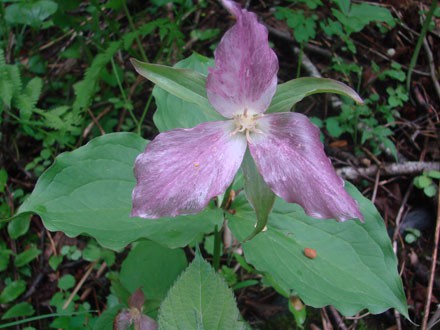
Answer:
[(354, 173)]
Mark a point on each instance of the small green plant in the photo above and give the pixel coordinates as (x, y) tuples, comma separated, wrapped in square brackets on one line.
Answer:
[(427, 183)]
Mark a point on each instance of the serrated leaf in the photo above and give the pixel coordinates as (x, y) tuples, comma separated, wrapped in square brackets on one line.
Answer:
[(88, 191), (28, 98), (293, 91), (19, 310), (85, 89), (187, 85), (200, 299), (355, 267), (10, 81), (173, 112)]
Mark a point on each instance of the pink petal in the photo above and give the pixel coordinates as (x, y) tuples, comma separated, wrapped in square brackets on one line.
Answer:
[(245, 72), (181, 170), (291, 159)]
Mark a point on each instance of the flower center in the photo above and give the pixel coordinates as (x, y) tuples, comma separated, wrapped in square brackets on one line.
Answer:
[(246, 123)]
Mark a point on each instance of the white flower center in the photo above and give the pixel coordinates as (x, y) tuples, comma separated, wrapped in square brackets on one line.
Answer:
[(246, 123)]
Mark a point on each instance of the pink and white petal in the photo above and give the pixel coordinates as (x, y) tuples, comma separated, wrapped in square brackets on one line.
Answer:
[(233, 7), (181, 170), (245, 71), (290, 157)]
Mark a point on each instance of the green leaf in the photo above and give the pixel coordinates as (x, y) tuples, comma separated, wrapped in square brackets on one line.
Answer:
[(154, 269), (200, 299), (188, 85), (31, 13), (85, 89), (430, 191), (422, 181), (28, 98), (106, 319), (55, 261), (27, 256), (12, 291), (88, 191), (355, 267), (19, 310), (333, 127), (19, 226), (91, 252), (66, 282), (173, 112), (3, 179), (4, 259), (259, 195), (10, 81), (433, 174), (293, 91)]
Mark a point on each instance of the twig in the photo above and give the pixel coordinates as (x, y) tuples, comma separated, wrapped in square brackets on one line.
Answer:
[(339, 322), (101, 130), (353, 173), (431, 67), (79, 285), (433, 265)]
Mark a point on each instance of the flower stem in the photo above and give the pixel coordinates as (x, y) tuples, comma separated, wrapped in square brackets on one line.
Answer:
[(217, 242), (425, 26), (133, 28)]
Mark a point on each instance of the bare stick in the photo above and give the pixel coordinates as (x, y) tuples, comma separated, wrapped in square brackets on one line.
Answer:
[(79, 285), (339, 322), (431, 67), (433, 264), (353, 173)]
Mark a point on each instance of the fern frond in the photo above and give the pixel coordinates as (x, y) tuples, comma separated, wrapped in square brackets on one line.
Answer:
[(85, 89), (28, 98)]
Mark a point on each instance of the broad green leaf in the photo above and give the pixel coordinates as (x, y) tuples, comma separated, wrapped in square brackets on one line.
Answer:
[(4, 258), (19, 226), (200, 299), (293, 91), (154, 269), (355, 267), (19, 310), (66, 282), (173, 112), (31, 13), (259, 195), (27, 256), (88, 191), (433, 174), (188, 85), (12, 291)]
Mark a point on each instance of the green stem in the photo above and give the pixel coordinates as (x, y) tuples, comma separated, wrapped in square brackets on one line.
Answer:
[(301, 50), (41, 317), (133, 28), (123, 92), (144, 113), (217, 241), (425, 26)]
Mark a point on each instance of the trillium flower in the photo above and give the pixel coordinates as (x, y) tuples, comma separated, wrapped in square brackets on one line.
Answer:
[(181, 170)]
